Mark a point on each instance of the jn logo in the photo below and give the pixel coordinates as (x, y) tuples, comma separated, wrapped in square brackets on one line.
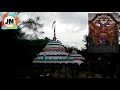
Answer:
[(9, 21)]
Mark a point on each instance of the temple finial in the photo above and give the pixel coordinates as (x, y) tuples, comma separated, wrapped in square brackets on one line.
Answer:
[(54, 37)]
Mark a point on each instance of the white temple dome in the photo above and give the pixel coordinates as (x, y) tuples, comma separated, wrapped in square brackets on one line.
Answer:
[(74, 52), (75, 56)]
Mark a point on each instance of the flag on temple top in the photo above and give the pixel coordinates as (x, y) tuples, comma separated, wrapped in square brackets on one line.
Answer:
[(53, 24)]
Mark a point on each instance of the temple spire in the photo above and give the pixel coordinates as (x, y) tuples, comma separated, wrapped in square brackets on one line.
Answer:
[(54, 37)]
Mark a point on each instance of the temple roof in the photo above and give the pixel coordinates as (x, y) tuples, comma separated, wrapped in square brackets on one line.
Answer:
[(53, 46), (74, 52), (78, 62), (55, 52), (56, 42)]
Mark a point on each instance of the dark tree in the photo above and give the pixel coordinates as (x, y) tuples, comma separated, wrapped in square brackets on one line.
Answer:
[(16, 53)]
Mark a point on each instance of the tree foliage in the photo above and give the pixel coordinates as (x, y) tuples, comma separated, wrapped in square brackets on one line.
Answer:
[(31, 24), (17, 53)]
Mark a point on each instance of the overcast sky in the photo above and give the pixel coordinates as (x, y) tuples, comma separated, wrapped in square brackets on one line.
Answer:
[(70, 26)]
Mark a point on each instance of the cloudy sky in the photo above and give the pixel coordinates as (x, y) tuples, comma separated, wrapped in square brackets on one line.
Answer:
[(70, 26)]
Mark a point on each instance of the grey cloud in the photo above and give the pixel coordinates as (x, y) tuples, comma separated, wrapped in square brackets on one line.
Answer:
[(73, 23), (70, 18)]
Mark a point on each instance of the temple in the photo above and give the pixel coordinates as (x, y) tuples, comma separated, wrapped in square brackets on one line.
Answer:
[(54, 52)]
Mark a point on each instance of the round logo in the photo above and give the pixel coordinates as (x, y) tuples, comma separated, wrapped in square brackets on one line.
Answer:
[(9, 21)]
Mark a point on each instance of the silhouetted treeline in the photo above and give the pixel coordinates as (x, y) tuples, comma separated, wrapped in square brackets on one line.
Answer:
[(16, 55)]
